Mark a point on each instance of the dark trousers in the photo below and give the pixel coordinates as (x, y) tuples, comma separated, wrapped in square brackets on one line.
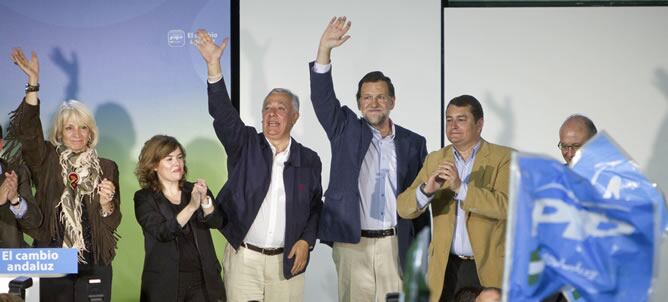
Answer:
[(191, 287), (75, 287), (458, 274)]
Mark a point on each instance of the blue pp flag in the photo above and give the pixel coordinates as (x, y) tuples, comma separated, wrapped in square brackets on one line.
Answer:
[(615, 175), (566, 234)]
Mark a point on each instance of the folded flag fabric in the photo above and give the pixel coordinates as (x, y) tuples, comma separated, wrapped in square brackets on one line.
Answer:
[(612, 173)]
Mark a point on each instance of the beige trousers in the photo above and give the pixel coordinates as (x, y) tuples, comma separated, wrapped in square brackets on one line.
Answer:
[(253, 276), (368, 270)]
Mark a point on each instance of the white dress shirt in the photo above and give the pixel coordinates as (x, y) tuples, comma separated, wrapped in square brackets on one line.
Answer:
[(268, 228)]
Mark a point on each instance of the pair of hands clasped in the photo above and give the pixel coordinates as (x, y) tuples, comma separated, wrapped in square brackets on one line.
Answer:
[(445, 176), (9, 188), (199, 196)]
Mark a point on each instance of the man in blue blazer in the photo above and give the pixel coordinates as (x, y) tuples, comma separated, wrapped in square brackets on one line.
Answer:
[(272, 199), (373, 160)]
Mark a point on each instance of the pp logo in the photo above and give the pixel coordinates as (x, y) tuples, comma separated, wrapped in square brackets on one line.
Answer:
[(176, 38)]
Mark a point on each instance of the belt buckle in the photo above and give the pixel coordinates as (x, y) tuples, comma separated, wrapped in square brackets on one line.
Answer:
[(465, 257)]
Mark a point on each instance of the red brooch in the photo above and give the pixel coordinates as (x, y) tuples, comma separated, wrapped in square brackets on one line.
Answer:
[(73, 177)]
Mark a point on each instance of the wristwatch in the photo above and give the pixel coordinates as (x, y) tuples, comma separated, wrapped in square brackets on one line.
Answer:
[(208, 205), (31, 88), (18, 201), (425, 193)]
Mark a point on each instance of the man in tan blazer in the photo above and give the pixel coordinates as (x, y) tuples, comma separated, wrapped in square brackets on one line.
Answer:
[(466, 184)]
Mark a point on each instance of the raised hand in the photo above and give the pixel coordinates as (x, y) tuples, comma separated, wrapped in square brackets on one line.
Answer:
[(335, 33), (334, 36), (208, 48), (29, 67)]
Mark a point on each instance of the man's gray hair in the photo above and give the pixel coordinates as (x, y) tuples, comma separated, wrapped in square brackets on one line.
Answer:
[(293, 97)]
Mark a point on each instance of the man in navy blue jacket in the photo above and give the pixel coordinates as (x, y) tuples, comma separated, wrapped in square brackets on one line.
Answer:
[(272, 199), (373, 161)]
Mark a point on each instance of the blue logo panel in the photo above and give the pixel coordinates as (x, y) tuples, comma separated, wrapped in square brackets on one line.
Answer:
[(43, 261)]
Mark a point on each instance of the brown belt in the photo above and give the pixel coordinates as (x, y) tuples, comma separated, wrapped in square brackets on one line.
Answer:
[(261, 250), (378, 233)]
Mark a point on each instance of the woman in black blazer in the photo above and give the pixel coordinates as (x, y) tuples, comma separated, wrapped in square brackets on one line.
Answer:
[(180, 261)]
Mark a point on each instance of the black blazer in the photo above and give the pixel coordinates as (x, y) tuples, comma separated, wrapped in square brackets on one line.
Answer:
[(159, 280), (350, 138), (11, 229), (249, 161)]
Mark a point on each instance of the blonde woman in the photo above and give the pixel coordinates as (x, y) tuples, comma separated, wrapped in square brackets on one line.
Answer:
[(76, 189)]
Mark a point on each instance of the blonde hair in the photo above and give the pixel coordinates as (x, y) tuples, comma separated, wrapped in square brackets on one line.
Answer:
[(79, 112)]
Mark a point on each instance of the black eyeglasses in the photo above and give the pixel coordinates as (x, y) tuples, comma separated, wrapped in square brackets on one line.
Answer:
[(565, 147)]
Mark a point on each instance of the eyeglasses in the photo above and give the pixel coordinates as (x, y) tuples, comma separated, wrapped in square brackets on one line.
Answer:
[(564, 147)]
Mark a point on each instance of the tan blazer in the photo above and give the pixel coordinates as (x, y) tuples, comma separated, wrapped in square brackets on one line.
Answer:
[(486, 206)]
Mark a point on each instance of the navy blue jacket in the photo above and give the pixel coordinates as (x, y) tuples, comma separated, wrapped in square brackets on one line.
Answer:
[(350, 138), (249, 162)]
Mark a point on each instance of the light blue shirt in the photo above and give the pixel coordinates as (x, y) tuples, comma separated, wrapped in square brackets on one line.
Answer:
[(461, 245), (23, 205), (22, 209), (377, 183)]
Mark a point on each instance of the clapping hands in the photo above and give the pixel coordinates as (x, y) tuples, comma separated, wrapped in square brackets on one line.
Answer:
[(199, 194)]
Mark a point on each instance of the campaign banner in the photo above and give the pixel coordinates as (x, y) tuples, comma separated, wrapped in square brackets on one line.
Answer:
[(615, 175), (564, 234), (41, 262)]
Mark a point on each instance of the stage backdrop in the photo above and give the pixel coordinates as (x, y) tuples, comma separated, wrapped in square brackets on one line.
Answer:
[(133, 65), (533, 67)]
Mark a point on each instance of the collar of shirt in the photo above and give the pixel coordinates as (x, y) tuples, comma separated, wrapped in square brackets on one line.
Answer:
[(376, 132), (474, 151), (281, 156)]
